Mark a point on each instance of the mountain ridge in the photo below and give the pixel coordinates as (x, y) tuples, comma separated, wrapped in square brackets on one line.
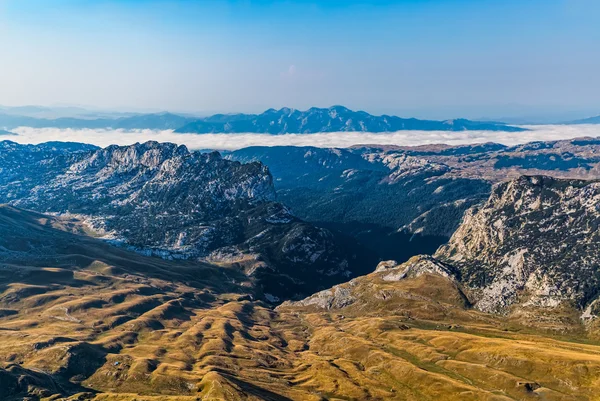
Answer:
[(589, 120), (160, 199), (282, 121), (333, 119), (83, 319), (158, 121)]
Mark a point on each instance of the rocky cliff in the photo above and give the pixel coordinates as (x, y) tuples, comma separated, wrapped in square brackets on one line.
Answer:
[(534, 242)]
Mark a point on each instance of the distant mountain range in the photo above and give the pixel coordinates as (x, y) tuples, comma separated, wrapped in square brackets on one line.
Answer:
[(333, 119), (161, 121), (275, 122), (590, 120)]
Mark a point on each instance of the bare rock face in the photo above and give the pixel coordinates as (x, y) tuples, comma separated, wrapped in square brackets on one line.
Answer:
[(334, 298), (531, 251), (405, 166), (23, 167), (417, 266), (157, 196), (534, 242), (386, 265), (358, 290)]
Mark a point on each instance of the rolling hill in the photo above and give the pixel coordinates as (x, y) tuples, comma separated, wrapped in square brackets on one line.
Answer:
[(81, 319)]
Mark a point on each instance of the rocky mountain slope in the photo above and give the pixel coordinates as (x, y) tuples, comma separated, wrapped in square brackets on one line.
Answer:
[(333, 119), (418, 312), (81, 319), (530, 252), (351, 185), (162, 200), (371, 194), (23, 167), (534, 242), (425, 189)]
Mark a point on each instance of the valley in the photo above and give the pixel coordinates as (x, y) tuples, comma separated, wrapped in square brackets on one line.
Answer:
[(245, 200), (393, 198), (271, 295), (162, 200), (86, 320)]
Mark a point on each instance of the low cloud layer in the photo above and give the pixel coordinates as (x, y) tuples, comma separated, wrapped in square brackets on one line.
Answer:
[(336, 139)]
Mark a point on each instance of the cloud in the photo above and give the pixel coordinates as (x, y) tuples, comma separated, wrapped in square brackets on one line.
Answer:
[(290, 72), (104, 137)]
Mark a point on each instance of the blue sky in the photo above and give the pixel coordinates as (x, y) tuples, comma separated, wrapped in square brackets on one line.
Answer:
[(428, 58)]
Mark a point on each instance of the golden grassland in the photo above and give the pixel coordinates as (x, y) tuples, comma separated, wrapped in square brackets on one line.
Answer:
[(94, 322)]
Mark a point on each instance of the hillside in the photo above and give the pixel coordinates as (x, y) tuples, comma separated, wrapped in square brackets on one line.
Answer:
[(90, 321), (162, 200), (410, 328), (67, 302), (533, 243), (402, 201)]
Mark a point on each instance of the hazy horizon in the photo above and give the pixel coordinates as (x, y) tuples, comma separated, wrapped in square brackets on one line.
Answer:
[(431, 59), (519, 116)]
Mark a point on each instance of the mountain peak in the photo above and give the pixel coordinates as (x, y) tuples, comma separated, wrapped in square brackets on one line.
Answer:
[(339, 109)]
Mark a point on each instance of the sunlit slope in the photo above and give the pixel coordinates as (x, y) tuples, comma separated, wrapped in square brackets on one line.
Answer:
[(407, 332), (80, 319)]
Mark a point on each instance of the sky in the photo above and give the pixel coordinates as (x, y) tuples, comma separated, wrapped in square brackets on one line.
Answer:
[(427, 59)]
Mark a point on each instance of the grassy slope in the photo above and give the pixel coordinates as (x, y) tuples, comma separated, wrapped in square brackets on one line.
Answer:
[(91, 321)]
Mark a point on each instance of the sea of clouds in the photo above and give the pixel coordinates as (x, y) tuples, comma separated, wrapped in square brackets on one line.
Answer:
[(105, 137)]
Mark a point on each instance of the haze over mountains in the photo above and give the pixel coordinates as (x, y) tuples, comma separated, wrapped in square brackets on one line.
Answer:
[(155, 272), (285, 120), (590, 120), (69, 126), (299, 200)]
